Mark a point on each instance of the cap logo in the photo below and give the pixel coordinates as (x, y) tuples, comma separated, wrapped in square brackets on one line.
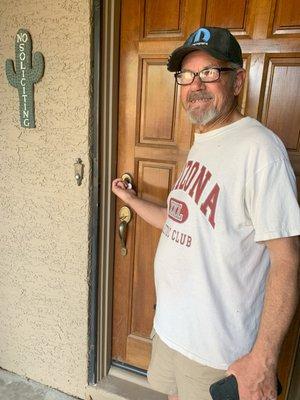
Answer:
[(201, 36)]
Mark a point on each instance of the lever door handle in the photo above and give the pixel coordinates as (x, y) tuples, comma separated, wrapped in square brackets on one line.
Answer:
[(125, 216)]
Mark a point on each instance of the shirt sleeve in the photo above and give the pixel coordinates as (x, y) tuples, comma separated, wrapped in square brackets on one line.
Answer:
[(271, 201)]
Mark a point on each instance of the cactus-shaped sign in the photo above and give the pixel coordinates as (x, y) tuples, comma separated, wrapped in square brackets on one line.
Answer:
[(24, 75)]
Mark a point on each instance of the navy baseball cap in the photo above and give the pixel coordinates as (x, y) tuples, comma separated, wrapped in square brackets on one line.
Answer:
[(218, 42)]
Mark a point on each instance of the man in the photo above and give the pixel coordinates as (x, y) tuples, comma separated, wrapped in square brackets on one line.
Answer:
[(226, 266)]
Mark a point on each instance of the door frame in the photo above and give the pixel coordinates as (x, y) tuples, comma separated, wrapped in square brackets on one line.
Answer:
[(104, 126), (103, 155), (294, 388)]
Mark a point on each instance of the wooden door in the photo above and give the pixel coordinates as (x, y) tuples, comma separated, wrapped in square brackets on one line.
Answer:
[(154, 134)]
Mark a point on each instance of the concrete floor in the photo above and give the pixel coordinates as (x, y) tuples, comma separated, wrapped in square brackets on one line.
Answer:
[(14, 387)]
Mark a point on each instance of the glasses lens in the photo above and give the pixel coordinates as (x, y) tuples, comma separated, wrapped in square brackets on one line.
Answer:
[(209, 75), (185, 77)]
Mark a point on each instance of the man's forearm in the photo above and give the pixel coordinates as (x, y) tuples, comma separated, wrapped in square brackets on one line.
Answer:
[(150, 212), (281, 298), (256, 371)]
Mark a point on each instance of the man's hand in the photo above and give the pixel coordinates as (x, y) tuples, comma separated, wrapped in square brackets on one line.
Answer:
[(256, 380), (152, 213), (121, 189)]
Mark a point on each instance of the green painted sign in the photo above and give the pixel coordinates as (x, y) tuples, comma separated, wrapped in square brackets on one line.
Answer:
[(26, 72)]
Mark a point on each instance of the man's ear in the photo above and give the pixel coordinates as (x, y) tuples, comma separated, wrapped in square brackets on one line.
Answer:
[(239, 81)]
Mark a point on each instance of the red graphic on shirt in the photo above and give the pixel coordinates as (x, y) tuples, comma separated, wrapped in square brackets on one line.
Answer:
[(178, 210), (193, 180)]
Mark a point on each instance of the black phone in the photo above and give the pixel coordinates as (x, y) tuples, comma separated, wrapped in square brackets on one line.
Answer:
[(227, 389)]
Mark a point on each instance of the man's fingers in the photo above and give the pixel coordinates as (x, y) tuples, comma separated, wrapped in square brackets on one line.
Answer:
[(118, 183), (121, 185)]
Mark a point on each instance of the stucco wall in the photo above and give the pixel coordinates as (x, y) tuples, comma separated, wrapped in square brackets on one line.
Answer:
[(43, 213)]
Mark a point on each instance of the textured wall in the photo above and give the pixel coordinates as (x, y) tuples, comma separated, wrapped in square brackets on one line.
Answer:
[(43, 213)]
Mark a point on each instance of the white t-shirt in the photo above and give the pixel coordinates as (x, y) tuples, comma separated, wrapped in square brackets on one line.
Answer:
[(236, 190)]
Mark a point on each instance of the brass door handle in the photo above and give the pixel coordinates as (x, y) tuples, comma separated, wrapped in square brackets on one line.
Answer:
[(125, 216), (128, 179)]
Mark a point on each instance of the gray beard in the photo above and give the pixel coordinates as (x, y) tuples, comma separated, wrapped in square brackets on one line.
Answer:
[(205, 117)]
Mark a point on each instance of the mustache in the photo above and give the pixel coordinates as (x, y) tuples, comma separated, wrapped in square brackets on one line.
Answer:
[(200, 96)]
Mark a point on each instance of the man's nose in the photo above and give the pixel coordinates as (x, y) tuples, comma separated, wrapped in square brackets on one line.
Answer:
[(197, 83)]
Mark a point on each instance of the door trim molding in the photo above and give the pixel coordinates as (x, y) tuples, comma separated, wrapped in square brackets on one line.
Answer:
[(108, 106), (104, 126), (94, 193), (294, 386)]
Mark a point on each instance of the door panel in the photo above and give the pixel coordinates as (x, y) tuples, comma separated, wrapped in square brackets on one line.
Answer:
[(155, 136), (161, 18), (280, 109), (238, 20), (285, 18), (156, 117)]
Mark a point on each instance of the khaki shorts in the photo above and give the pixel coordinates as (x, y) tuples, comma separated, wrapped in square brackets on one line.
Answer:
[(174, 374)]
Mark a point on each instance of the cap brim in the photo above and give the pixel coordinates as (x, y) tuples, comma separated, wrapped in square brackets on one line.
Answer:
[(175, 60)]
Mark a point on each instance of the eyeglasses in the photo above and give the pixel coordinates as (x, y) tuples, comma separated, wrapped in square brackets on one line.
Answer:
[(206, 75)]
